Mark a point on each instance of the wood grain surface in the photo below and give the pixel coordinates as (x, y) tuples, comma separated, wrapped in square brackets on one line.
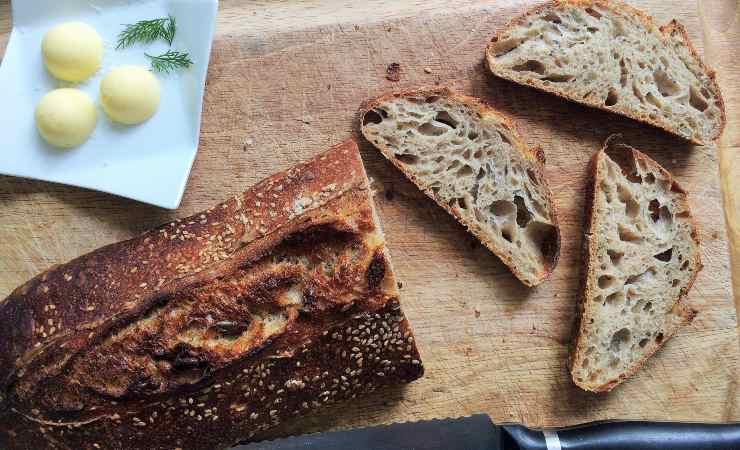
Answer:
[(285, 82)]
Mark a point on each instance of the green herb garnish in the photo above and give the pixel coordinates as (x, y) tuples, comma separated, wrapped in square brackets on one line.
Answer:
[(170, 61), (147, 31)]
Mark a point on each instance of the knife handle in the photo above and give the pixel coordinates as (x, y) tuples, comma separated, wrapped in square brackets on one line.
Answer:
[(630, 435)]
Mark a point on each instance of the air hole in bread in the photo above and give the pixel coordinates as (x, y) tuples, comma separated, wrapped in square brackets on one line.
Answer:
[(431, 129), (659, 338), (375, 116), (552, 17), (545, 237), (614, 297), (646, 276), (653, 100), (500, 48), (619, 339), (445, 118), (622, 73), (473, 135), (465, 171), (664, 256), (506, 232), (684, 265), (675, 282), (654, 209), (593, 13), (408, 159), (615, 256), (502, 208), (530, 66), (585, 362), (592, 30), (626, 163), (665, 84), (696, 100), (643, 342), (632, 208), (627, 234), (558, 78), (523, 216), (648, 306), (649, 178), (432, 98), (606, 281)]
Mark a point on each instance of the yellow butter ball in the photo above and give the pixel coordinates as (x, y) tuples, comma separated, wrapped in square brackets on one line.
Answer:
[(129, 94), (72, 51), (65, 117)]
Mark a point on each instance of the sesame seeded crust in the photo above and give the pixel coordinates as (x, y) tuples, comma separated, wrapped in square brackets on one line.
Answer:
[(208, 330)]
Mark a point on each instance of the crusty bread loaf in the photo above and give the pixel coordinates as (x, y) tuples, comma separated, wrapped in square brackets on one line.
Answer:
[(471, 160), (641, 258), (211, 329), (611, 56)]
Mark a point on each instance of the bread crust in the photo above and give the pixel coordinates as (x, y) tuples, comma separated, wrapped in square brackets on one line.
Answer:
[(665, 30), (535, 155), (47, 397), (590, 258)]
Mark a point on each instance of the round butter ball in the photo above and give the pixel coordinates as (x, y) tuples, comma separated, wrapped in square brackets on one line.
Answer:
[(129, 94), (72, 51), (66, 117)]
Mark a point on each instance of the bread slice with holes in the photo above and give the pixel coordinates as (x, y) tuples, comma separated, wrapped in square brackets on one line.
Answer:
[(471, 160), (642, 257), (611, 56)]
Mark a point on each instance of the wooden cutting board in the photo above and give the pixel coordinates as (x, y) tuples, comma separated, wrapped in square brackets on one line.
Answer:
[(285, 82)]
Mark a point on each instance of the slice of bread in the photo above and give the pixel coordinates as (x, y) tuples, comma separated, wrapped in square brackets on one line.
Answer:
[(642, 257), (611, 56), (471, 160)]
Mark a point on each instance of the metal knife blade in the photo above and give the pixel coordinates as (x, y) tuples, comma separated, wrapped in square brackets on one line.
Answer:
[(469, 433), (479, 433)]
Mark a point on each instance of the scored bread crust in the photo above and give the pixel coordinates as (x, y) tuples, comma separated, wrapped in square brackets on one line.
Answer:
[(589, 256), (666, 30), (59, 385), (534, 155)]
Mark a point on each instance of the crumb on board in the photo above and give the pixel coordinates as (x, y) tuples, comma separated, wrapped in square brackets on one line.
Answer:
[(427, 70), (393, 72)]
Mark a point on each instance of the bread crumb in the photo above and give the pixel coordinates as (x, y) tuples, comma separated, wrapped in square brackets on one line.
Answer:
[(393, 72), (427, 70)]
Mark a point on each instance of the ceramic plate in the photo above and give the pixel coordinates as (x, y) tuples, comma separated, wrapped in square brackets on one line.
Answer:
[(149, 162)]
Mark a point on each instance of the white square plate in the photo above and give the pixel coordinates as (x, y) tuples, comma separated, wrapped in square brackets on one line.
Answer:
[(149, 162)]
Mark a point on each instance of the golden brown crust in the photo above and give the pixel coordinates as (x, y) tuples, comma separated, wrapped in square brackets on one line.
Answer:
[(140, 327), (535, 154), (589, 256), (649, 23)]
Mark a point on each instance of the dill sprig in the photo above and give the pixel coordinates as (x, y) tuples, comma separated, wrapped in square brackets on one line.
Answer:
[(170, 61), (147, 31)]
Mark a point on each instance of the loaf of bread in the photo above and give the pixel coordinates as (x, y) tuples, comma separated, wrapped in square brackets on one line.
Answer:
[(209, 330), (611, 56), (471, 160), (641, 258)]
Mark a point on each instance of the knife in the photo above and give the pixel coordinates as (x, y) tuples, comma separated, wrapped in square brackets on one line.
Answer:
[(478, 432)]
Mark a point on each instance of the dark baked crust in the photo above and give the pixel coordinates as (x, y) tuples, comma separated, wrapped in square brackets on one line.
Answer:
[(666, 30), (589, 256), (535, 155), (92, 349)]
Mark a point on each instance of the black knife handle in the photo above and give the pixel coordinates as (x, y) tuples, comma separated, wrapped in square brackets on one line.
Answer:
[(631, 435)]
